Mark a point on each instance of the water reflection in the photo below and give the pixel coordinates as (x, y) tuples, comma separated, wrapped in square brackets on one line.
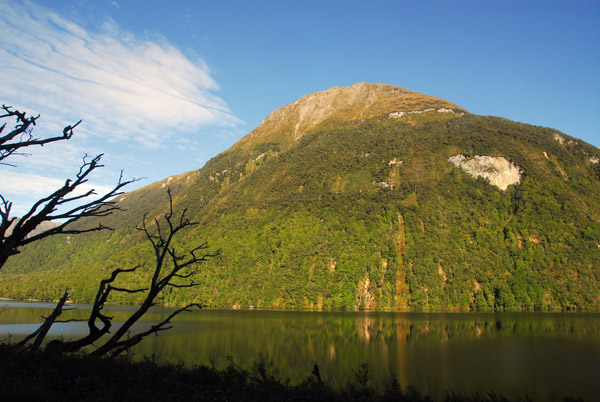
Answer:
[(512, 354)]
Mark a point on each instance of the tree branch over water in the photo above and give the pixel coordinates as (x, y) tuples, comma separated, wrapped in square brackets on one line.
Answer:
[(170, 268), (65, 206)]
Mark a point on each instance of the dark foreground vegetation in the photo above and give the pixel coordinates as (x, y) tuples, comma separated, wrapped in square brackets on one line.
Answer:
[(43, 376)]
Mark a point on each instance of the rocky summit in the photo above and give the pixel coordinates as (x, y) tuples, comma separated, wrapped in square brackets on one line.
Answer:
[(363, 197)]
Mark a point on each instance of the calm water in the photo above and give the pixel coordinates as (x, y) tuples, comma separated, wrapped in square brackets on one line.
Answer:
[(541, 355)]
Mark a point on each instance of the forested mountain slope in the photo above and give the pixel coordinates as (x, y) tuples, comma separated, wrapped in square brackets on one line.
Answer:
[(369, 197)]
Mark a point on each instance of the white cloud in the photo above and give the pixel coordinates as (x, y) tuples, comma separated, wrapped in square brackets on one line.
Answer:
[(21, 184), (126, 89), (23, 190)]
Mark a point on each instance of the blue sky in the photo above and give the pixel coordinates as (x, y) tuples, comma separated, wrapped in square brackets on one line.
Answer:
[(163, 87)]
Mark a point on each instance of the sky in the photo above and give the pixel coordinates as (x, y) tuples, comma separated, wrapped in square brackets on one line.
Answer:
[(162, 87)]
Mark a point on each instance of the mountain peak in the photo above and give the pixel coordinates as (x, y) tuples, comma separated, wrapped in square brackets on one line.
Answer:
[(390, 200), (342, 104)]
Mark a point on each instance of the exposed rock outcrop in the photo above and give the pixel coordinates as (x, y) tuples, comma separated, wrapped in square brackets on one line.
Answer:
[(395, 115), (498, 170), (365, 296)]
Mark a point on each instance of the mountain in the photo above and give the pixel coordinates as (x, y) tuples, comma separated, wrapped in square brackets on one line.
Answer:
[(42, 227), (363, 197)]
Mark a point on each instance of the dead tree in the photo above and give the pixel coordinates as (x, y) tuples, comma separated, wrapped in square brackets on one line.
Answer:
[(21, 136), (17, 232), (40, 334), (98, 323), (172, 268)]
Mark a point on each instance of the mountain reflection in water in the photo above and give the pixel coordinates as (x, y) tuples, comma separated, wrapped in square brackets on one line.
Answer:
[(513, 354)]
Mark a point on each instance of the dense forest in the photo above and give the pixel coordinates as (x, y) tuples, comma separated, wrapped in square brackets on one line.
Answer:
[(365, 214)]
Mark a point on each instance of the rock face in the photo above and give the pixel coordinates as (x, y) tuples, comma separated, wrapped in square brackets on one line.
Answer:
[(395, 115), (496, 169)]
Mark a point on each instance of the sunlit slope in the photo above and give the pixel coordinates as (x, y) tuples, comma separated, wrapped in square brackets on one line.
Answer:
[(367, 207), (353, 104)]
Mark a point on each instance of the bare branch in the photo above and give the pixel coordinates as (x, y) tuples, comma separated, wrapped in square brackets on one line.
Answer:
[(43, 211), (21, 137), (67, 205), (184, 276), (169, 266), (122, 346), (116, 289), (42, 331), (189, 285), (95, 332), (70, 320), (15, 233)]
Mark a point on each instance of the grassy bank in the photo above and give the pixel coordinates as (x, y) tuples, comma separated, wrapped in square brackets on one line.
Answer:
[(41, 376)]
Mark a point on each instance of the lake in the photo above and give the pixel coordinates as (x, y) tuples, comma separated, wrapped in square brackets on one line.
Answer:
[(514, 354)]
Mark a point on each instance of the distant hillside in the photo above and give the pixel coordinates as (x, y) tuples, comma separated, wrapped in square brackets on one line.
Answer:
[(42, 227), (365, 197)]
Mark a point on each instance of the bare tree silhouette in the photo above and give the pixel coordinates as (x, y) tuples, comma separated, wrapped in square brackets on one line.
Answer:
[(17, 232), (21, 135), (172, 267)]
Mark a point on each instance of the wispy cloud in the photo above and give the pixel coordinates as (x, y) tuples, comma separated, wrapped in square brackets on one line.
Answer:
[(137, 95), (127, 89)]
